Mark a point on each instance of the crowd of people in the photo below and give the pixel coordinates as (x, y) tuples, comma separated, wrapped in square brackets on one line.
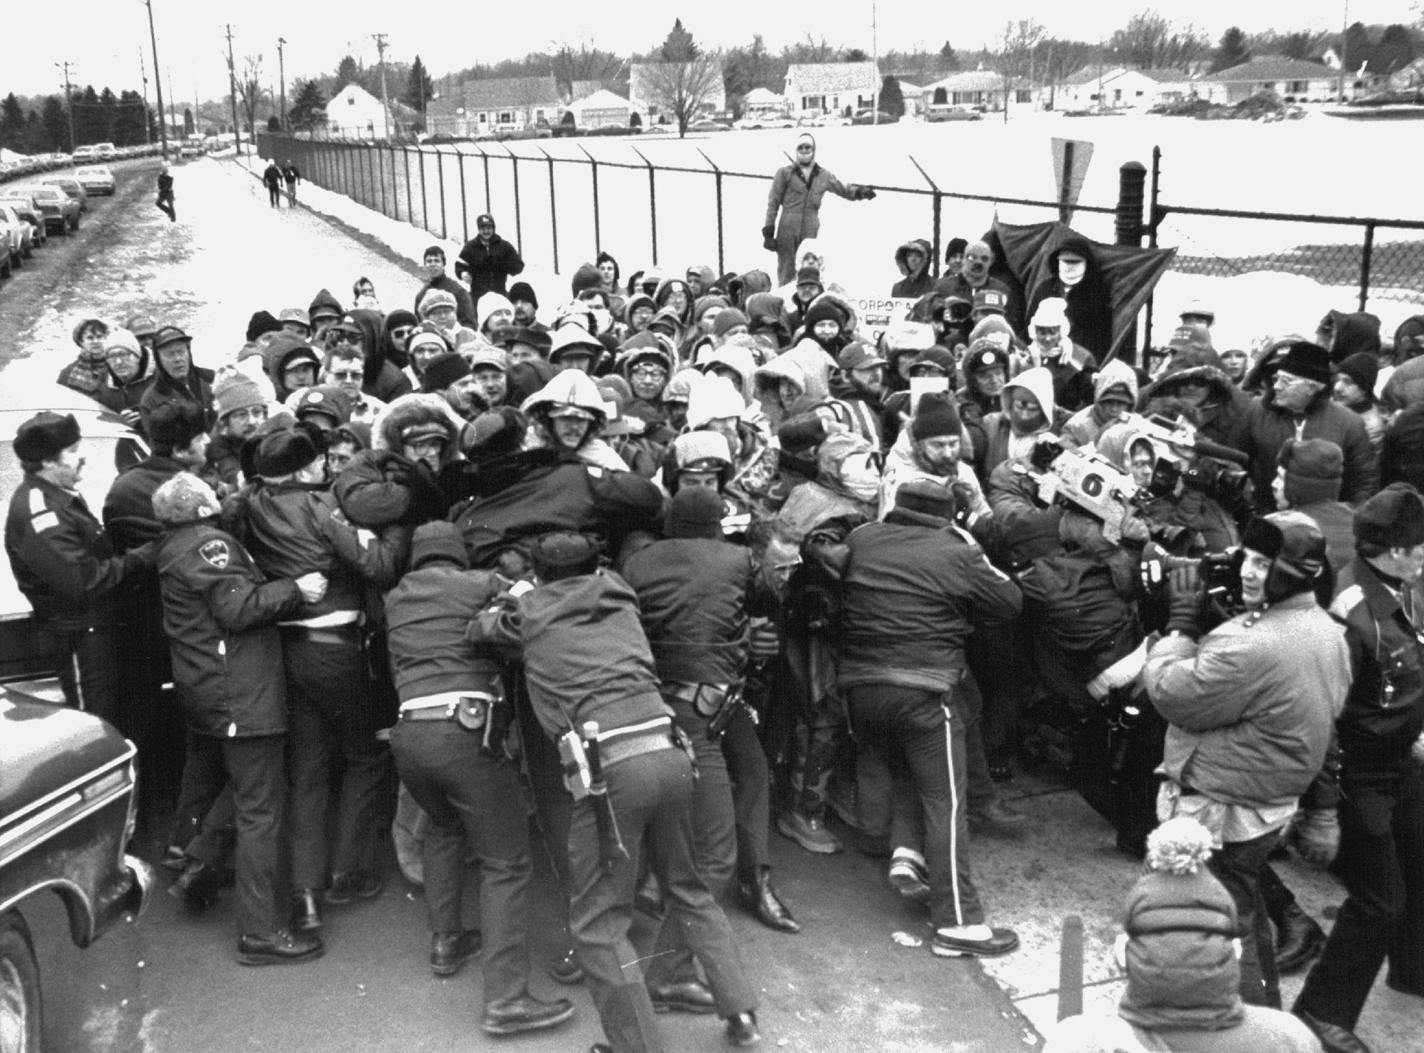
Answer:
[(568, 555)]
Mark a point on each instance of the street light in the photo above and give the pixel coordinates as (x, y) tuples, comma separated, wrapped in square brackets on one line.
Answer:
[(282, 79)]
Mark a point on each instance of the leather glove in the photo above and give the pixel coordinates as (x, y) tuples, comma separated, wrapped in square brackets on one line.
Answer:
[(768, 238), (1184, 609), (1315, 833), (963, 495), (865, 193)]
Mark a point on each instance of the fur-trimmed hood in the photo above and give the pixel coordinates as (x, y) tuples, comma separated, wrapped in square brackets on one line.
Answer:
[(408, 410)]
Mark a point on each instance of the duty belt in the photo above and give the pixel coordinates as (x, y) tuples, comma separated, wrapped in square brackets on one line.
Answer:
[(325, 634), (613, 747)]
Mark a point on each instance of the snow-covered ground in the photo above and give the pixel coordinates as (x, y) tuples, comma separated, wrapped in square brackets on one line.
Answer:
[(1317, 166)]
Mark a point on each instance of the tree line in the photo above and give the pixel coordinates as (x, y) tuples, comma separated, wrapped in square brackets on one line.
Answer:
[(40, 124)]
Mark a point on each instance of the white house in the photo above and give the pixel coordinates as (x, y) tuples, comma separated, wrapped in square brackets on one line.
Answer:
[(354, 113), (647, 83), (1293, 78), (495, 105), (1120, 88), (762, 102), (601, 109), (818, 88), (980, 89)]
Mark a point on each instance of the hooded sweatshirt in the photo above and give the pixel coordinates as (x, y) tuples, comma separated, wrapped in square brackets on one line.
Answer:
[(1003, 442), (1088, 423), (914, 284)]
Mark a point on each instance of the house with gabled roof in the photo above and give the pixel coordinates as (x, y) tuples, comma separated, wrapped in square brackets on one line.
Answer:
[(354, 113), (1120, 88), (814, 89), (495, 105), (1295, 79)]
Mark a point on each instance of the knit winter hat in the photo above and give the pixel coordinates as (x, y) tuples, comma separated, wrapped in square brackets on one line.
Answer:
[(585, 278), (1307, 361), (45, 435), (433, 299), (444, 370), (695, 512), (927, 498), (236, 391), (935, 416), (437, 540), (985, 353), (823, 311), (523, 291), (122, 338), (703, 303), (809, 274), (701, 451), (1314, 468), (184, 498), (174, 424), (261, 322), (1392, 518), (1051, 313), (1180, 922), (489, 303), (1363, 368), (727, 320)]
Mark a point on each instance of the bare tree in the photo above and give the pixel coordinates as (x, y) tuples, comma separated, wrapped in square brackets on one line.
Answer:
[(249, 88), (586, 61), (1150, 41), (809, 50), (682, 88), (1020, 47)]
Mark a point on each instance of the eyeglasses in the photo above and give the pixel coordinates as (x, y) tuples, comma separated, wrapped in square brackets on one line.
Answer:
[(927, 370), (340, 336), (346, 374), (649, 372), (1023, 404), (402, 331)]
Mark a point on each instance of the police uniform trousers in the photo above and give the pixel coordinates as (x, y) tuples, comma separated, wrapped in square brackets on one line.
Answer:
[(1382, 918), (474, 802), (918, 734), (91, 672), (745, 763), (331, 722), (253, 769), (651, 795), (714, 843)]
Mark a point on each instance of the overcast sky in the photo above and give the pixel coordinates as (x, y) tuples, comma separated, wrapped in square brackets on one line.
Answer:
[(103, 40)]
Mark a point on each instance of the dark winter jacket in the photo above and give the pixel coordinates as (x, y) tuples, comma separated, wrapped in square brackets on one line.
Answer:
[(63, 561), (585, 654), (1268, 427), (696, 598), (1402, 453), (912, 590), (1353, 332), (224, 463), (1223, 414), (1250, 706), (196, 388), (1384, 711), (922, 280), (427, 615), (489, 266), (294, 528), (128, 507), (220, 615)]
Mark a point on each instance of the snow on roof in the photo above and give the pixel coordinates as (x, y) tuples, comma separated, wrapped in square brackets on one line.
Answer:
[(816, 78), (1270, 67)]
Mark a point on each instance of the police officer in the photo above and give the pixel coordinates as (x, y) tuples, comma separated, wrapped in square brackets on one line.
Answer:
[(587, 660), (1381, 804), (449, 751), (66, 566), (220, 614), (294, 526), (913, 586), (1249, 707)]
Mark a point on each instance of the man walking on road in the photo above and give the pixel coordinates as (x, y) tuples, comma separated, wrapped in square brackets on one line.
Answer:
[(272, 177), (291, 177), (487, 261), (165, 194)]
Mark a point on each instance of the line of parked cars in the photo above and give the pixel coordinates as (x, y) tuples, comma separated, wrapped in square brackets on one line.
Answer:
[(40, 203)]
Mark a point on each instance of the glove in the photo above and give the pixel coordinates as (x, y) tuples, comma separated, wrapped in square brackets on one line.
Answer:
[(963, 495), (1184, 610), (1315, 833), (768, 238), (865, 193)]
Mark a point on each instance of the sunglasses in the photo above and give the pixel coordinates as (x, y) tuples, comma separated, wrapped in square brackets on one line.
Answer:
[(402, 331)]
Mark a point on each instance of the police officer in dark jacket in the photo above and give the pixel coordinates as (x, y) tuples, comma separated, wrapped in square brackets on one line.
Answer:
[(588, 660), (913, 587), (220, 614), (696, 593), (294, 526), (1381, 800), (449, 750), (66, 566), (487, 260)]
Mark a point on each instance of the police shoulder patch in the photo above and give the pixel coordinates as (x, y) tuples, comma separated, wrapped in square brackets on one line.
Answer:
[(594, 470), (46, 520), (1347, 600), (216, 553), (37, 502)]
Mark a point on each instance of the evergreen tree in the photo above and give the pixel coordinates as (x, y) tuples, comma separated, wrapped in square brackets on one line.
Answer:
[(419, 88), (12, 123), (679, 46), (308, 110), (1232, 51), (347, 72), (88, 117), (54, 126), (892, 99)]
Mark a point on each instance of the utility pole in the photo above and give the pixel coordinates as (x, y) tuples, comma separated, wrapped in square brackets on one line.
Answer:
[(282, 79), (68, 100), (232, 89), (380, 39), (875, 57), (143, 73), (157, 82)]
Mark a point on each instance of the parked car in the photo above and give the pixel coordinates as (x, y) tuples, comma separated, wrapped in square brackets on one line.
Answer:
[(872, 117), (71, 186), (96, 180), (22, 237), (28, 209), (61, 212), (707, 125), (8, 240), (67, 810)]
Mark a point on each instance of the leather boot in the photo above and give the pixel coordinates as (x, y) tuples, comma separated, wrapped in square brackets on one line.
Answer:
[(756, 894), (306, 911), (1299, 940)]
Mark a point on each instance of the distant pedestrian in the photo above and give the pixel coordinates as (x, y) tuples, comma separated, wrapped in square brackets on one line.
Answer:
[(272, 176), (291, 177), (487, 261), (796, 192), (165, 194)]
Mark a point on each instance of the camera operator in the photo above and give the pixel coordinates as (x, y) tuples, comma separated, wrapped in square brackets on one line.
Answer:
[(1250, 707), (1381, 805)]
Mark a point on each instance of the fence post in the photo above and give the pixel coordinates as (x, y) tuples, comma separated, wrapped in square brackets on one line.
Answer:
[(717, 180), (381, 177), (597, 226), (553, 208), (424, 197), (938, 213), (1155, 218), (405, 170), (652, 201), (464, 205), (440, 171), (1365, 260), (371, 176), (1132, 177), (518, 205), (489, 204)]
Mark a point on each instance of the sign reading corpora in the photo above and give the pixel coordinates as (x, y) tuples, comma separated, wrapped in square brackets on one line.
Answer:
[(878, 313)]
